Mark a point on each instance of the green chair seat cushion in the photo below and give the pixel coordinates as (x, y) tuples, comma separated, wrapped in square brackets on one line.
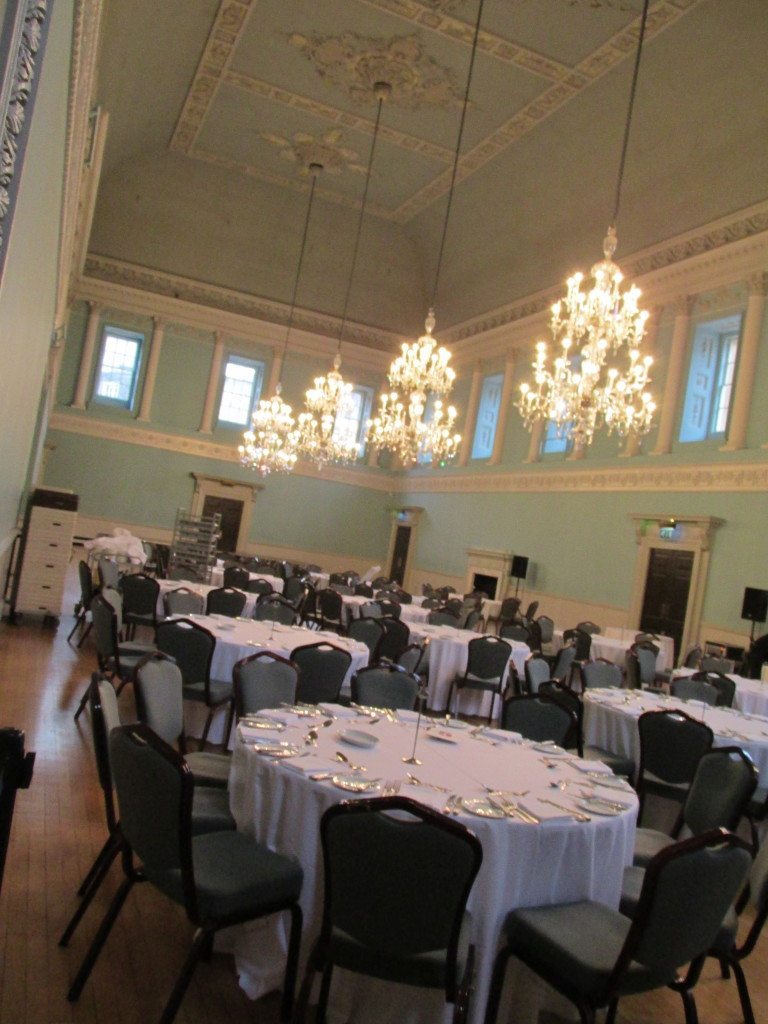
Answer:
[(580, 943), (649, 842), (427, 970), (219, 689), (209, 769), (210, 810), (235, 877), (618, 764), (474, 683), (133, 648)]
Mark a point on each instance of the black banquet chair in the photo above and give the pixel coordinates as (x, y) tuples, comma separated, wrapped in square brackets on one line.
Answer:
[(487, 658), (83, 606), (322, 668), (225, 601), (540, 718), (141, 595), (16, 767), (219, 878), (236, 576), (671, 744), (594, 955), (385, 686), (397, 879)]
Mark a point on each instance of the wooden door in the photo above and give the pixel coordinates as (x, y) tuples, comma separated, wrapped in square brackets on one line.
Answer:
[(231, 512), (400, 554), (667, 585)]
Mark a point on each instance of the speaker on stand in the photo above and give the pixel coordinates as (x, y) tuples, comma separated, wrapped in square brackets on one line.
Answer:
[(754, 608), (519, 570)]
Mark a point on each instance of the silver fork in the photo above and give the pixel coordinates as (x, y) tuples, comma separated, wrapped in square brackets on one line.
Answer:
[(450, 804)]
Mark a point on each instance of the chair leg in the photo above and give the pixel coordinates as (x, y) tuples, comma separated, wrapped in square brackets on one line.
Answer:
[(79, 620), (610, 1016), (94, 878), (746, 1001), (81, 706), (206, 730), (325, 989), (725, 970), (202, 940), (464, 991), (300, 1010), (99, 939), (230, 722), (497, 983), (689, 1006), (291, 964), (85, 633)]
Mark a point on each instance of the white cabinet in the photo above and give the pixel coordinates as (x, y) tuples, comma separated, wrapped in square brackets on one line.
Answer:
[(46, 544)]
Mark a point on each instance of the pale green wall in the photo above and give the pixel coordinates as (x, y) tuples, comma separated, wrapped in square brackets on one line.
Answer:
[(28, 289)]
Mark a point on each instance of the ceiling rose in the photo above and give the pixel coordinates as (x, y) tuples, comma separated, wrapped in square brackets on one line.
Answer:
[(304, 149), (355, 63)]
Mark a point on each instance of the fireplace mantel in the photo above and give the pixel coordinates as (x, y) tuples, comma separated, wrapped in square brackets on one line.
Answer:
[(494, 564)]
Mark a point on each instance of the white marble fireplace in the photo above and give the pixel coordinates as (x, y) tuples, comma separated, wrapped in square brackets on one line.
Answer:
[(488, 571)]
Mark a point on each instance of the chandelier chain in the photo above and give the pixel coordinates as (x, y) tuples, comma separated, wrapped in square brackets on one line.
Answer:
[(314, 171), (628, 123), (456, 153)]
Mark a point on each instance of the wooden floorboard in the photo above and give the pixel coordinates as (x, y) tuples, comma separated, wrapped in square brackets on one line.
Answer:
[(59, 829)]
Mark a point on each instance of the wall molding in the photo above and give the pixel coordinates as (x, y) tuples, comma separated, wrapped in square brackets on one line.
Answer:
[(184, 445)]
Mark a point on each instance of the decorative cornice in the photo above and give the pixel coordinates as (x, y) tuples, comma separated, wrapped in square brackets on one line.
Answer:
[(673, 478), (201, 449)]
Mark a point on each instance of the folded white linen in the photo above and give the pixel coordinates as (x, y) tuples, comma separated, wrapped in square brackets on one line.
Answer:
[(311, 763), (249, 734), (591, 766), (503, 735), (339, 710)]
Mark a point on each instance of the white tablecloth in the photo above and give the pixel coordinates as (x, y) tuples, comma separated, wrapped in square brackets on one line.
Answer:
[(409, 613), (448, 653), (666, 645), (217, 579), (559, 860), (615, 649), (610, 722), (751, 694), (198, 588)]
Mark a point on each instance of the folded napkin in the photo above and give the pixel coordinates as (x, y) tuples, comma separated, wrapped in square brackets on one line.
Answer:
[(249, 734), (504, 735), (339, 710), (310, 764), (408, 716), (591, 766)]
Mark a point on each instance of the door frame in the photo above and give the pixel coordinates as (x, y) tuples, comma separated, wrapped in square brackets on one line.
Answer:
[(683, 533), (221, 487), (404, 515)]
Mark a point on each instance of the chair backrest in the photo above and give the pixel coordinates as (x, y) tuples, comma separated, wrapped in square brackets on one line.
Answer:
[(371, 610), (398, 886), (104, 631), (236, 576), (601, 673), (183, 601), (514, 631), (259, 586), (582, 642), (322, 668), (547, 627), (404, 597), (385, 686), (564, 661), (709, 663), (688, 688), (510, 607), (16, 767), (453, 604), (389, 608), (225, 601), (647, 638), (473, 619), (380, 581), (159, 701), (263, 680), (294, 589), (413, 658), (274, 608), (154, 789), (191, 646), (364, 590), (86, 584), (687, 889), (394, 640), (693, 657), (329, 604), (342, 588), (531, 610), (722, 787), (671, 745), (115, 599), (537, 671), (587, 626), (725, 686), (105, 716), (538, 717), (442, 617), (140, 594), (109, 574), (367, 630), (646, 654), (487, 657)]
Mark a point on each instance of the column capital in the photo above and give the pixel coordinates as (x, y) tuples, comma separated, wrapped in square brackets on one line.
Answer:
[(757, 284), (159, 322), (684, 305)]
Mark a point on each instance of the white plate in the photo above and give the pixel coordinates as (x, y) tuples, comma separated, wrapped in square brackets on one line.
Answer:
[(443, 735), (358, 738), (610, 781), (552, 749), (480, 807), (355, 783), (597, 806)]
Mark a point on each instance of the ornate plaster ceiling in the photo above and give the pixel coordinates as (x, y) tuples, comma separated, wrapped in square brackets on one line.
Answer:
[(216, 106)]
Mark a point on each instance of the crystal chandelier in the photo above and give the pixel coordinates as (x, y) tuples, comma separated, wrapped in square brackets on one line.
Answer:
[(597, 376), (271, 445), (413, 422), (320, 438)]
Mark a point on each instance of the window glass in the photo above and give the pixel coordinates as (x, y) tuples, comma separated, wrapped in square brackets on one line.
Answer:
[(118, 366), (353, 416), (241, 390), (424, 458), (711, 374), (487, 416), (554, 442)]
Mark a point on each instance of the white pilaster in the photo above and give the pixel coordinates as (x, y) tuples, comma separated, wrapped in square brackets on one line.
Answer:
[(206, 420), (745, 372), (86, 356), (673, 383), (155, 345), (471, 420)]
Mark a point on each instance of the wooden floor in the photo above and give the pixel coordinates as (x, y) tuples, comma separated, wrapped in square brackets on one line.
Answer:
[(59, 828)]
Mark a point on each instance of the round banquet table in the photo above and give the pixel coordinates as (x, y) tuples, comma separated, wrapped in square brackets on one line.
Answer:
[(610, 722), (751, 695), (217, 579), (203, 589), (614, 648), (239, 638), (409, 613), (555, 860), (448, 654)]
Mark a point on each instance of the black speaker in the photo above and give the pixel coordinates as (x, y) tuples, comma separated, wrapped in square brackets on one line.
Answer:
[(520, 567), (755, 606)]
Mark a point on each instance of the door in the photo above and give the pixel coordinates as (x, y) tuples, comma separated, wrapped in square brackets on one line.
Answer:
[(400, 554), (667, 585), (231, 512)]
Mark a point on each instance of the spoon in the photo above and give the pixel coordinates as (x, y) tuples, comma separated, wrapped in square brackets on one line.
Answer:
[(345, 760), (429, 785)]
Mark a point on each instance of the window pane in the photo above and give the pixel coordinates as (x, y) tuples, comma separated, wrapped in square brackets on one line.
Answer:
[(242, 385), (710, 379), (117, 372), (487, 416), (553, 442), (728, 351), (352, 416)]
